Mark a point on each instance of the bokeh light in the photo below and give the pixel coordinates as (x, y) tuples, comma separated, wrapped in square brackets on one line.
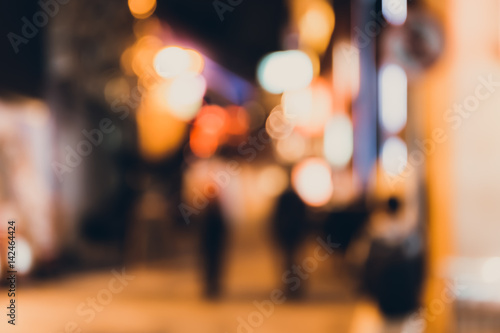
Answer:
[(160, 133), (171, 61), (312, 180), (237, 123), (393, 98), (346, 70), (338, 141), (196, 61), (278, 125), (208, 131), (394, 156), (298, 105), (395, 11), (142, 9), (285, 70), (142, 54), (272, 180), (491, 270), (291, 149), (310, 118), (185, 96), (25, 256), (316, 25)]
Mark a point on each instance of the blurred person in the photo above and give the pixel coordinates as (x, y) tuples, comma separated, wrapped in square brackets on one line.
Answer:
[(213, 247), (290, 230), (394, 266), (345, 222)]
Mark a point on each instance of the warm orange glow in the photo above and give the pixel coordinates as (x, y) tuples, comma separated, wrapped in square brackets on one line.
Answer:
[(202, 143), (208, 131), (238, 120), (212, 119), (143, 53), (346, 71), (160, 134), (312, 180), (272, 180), (126, 61), (142, 8), (181, 97), (291, 149), (215, 126), (151, 26), (310, 108), (316, 25)]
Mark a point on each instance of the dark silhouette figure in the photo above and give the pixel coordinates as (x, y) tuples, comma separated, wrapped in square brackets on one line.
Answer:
[(344, 223), (290, 229), (395, 271), (213, 246)]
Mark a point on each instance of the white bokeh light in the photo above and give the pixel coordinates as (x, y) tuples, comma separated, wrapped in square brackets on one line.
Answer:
[(338, 141), (395, 11), (393, 100), (185, 96), (394, 156), (24, 256), (171, 61), (285, 70), (491, 270), (312, 180)]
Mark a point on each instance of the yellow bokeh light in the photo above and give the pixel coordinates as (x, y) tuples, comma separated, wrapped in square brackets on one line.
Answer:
[(160, 133), (144, 52), (142, 9), (316, 25)]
